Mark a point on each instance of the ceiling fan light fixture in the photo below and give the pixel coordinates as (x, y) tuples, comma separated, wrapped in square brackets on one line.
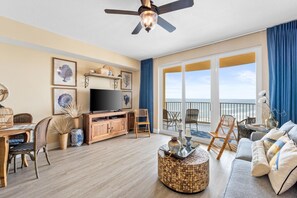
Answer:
[(149, 20)]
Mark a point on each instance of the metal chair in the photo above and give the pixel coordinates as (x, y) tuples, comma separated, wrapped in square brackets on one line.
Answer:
[(141, 119), (192, 117), (167, 119), (225, 132), (40, 142), (243, 132)]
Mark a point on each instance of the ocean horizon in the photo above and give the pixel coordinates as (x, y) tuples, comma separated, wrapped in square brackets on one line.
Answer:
[(208, 100)]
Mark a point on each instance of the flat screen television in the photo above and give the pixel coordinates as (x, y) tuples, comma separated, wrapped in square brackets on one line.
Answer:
[(105, 100)]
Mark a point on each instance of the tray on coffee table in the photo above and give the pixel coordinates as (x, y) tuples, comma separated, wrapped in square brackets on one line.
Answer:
[(182, 154)]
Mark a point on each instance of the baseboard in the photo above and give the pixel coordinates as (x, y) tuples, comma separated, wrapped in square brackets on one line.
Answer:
[(156, 130)]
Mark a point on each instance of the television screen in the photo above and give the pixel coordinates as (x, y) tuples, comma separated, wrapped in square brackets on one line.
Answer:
[(105, 100)]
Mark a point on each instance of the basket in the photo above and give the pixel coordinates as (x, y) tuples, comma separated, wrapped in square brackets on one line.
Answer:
[(6, 118)]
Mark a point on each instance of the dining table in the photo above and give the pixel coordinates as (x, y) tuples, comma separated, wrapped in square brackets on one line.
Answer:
[(4, 146)]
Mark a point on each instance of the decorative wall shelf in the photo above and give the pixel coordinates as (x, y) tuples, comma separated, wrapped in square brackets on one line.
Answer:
[(88, 75)]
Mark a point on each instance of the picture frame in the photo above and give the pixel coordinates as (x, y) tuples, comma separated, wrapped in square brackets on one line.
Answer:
[(64, 72), (61, 97), (126, 82), (127, 99)]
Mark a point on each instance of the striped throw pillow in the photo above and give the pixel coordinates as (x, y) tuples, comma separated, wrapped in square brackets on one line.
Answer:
[(283, 172), (276, 147), (271, 137)]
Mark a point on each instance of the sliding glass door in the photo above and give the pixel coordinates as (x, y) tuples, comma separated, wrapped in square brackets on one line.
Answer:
[(198, 92), (237, 86), (172, 100), (198, 98)]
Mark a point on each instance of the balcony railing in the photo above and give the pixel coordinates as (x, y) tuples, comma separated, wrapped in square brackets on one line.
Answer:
[(239, 110)]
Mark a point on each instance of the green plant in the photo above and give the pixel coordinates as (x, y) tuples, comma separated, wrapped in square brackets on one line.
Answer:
[(62, 125), (72, 110)]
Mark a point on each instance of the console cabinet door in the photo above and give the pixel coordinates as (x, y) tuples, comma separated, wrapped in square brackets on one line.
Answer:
[(100, 129), (118, 125)]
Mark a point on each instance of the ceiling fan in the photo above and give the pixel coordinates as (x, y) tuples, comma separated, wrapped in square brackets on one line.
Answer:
[(150, 14)]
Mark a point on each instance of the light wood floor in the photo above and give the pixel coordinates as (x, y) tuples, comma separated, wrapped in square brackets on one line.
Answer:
[(119, 167)]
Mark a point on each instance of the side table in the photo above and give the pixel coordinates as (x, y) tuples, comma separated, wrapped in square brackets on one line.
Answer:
[(257, 127), (190, 175)]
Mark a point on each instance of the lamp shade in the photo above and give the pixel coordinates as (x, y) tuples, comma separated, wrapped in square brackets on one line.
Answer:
[(149, 20)]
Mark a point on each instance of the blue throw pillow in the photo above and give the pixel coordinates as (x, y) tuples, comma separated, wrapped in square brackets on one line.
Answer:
[(287, 126)]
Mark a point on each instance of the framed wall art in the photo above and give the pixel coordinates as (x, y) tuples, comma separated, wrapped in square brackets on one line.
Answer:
[(126, 80), (127, 99), (64, 72), (63, 97)]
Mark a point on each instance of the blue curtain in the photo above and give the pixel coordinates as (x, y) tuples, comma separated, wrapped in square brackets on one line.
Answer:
[(146, 96), (282, 56)]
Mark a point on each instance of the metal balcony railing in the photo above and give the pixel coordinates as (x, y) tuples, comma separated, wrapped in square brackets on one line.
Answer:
[(239, 110)]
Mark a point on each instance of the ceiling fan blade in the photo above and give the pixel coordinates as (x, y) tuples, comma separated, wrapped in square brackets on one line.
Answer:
[(127, 12), (146, 3), (177, 5), (137, 29), (165, 24)]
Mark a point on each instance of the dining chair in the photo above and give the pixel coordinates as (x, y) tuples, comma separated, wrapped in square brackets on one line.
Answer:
[(192, 117), (14, 140), (22, 118), (225, 132), (141, 119), (27, 148)]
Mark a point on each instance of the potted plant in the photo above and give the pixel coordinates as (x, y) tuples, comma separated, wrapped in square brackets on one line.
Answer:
[(73, 111), (62, 126)]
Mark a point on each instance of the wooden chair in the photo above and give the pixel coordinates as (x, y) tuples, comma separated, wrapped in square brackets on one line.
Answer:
[(225, 132), (141, 119), (40, 142), (167, 119), (192, 117), (22, 118)]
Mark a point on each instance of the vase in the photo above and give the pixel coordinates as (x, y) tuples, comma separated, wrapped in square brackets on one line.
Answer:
[(76, 123), (188, 144), (63, 138), (174, 145), (271, 122)]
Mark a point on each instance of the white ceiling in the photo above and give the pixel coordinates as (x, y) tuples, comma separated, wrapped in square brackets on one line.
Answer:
[(206, 22)]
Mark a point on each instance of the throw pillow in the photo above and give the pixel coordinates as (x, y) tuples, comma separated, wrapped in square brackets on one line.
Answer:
[(293, 134), (287, 126), (276, 147), (271, 137), (259, 163), (283, 173)]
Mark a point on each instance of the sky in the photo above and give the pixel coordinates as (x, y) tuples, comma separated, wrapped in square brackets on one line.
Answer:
[(238, 82)]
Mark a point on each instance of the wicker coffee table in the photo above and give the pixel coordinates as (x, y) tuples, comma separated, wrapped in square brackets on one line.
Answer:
[(190, 175)]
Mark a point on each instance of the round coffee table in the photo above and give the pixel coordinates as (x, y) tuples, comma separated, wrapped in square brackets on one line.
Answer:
[(190, 175)]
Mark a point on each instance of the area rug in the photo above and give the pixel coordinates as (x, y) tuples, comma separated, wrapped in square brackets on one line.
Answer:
[(201, 134)]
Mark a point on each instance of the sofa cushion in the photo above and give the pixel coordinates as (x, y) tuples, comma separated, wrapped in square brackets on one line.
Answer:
[(244, 149), (293, 134), (242, 184), (287, 126)]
